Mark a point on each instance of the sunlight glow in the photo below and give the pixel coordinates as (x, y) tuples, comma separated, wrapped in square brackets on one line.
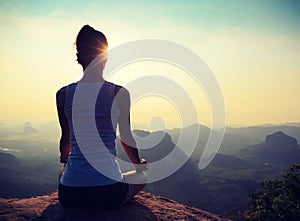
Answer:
[(256, 61)]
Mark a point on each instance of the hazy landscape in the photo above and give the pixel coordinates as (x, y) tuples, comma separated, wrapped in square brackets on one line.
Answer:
[(225, 62), (29, 163)]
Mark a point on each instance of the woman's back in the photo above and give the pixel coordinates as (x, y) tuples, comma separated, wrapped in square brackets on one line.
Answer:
[(92, 148)]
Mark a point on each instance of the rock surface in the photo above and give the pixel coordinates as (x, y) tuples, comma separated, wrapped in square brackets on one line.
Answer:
[(145, 206)]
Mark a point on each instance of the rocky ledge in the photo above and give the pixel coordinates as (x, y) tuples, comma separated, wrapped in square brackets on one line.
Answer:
[(145, 206)]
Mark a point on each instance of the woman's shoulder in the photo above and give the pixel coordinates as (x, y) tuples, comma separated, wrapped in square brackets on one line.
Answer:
[(61, 94), (62, 91), (121, 91), (117, 88)]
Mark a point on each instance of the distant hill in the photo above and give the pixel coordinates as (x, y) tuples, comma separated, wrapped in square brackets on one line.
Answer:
[(296, 124), (260, 132), (278, 149), (24, 178), (8, 160), (228, 162), (231, 143), (235, 139), (155, 153)]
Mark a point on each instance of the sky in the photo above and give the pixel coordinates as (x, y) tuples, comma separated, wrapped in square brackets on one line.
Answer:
[(252, 47)]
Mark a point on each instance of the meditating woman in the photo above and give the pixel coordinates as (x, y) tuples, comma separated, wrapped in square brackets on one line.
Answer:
[(81, 183)]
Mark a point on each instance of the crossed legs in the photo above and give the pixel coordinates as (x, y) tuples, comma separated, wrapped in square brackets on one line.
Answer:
[(130, 177)]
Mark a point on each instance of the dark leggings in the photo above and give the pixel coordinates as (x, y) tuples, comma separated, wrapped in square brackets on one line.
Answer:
[(106, 197)]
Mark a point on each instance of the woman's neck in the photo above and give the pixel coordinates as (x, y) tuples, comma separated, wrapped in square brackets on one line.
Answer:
[(92, 77), (94, 71)]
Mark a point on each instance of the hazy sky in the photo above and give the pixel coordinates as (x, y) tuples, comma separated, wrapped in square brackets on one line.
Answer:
[(253, 48)]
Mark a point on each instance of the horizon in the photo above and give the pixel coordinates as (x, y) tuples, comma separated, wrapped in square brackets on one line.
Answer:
[(255, 58), (37, 124)]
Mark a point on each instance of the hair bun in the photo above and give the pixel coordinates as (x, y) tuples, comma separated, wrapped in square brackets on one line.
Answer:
[(89, 44)]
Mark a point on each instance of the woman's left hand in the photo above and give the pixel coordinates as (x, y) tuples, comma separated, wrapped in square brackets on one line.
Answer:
[(143, 166)]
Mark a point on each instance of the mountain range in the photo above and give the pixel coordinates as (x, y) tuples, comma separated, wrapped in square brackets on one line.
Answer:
[(247, 156)]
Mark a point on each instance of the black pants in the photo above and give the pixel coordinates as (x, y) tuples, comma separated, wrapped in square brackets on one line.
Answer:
[(106, 197)]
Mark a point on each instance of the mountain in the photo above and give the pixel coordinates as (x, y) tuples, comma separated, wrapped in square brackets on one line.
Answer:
[(25, 178), (232, 141), (228, 162), (30, 165), (28, 129), (144, 207), (260, 132), (158, 150), (278, 149), (8, 160), (296, 124)]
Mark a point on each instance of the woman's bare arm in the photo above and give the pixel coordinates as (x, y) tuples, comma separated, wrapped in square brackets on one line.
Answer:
[(64, 144), (127, 140)]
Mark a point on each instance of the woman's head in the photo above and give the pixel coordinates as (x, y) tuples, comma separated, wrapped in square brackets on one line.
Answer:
[(89, 44)]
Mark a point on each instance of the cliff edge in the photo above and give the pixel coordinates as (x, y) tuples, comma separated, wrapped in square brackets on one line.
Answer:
[(145, 206)]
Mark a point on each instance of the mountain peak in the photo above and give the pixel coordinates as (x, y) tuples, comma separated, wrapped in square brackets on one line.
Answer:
[(145, 206), (280, 138), (278, 149)]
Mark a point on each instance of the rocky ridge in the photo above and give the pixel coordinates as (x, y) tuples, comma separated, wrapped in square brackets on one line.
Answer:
[(145, 206)]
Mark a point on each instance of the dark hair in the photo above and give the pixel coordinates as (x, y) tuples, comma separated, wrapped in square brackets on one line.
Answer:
[(89, 44)]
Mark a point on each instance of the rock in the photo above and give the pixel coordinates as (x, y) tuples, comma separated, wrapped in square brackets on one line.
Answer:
[(145, 206)]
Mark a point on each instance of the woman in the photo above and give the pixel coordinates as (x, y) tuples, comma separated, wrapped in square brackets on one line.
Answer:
[(80, 183)]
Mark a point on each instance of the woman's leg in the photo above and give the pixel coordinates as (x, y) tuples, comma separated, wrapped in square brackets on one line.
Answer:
[(132, 177)]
